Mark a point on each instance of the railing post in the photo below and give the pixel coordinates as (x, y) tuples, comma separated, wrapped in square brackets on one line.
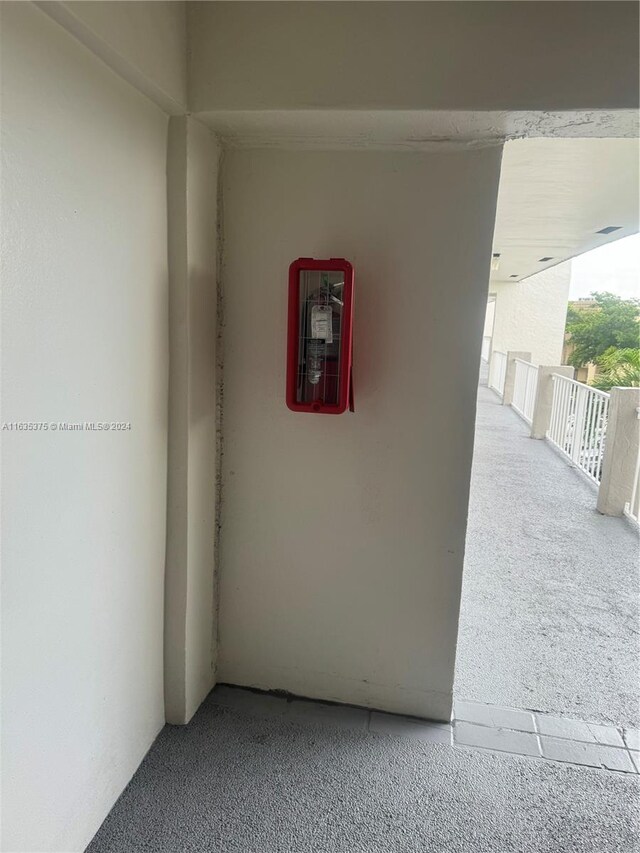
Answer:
[(620, 451), (544, 398), (510, 376)]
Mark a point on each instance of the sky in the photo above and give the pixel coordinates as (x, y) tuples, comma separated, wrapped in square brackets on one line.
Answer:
[(614, 267)]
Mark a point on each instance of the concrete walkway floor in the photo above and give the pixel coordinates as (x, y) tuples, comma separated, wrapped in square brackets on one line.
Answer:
[(257, 774), (549, 617)]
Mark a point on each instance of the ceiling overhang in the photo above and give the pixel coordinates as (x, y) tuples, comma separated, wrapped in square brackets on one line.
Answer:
[(410, 129), (559, 198)]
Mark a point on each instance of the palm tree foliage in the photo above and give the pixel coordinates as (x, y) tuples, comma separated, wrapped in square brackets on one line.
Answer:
[(618, 367)]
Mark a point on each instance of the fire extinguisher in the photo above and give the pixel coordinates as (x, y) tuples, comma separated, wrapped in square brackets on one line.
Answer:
[(320, 336)]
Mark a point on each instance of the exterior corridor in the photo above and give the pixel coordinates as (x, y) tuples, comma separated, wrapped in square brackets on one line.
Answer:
[(549, 617), (549, 622)]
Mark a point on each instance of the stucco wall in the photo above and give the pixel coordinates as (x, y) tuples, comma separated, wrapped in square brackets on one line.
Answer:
[(530, 315), (190, 631), (145, 42), (84, 246), (343, 537)]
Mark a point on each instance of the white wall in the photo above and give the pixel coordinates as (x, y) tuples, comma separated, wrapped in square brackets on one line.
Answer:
[(190, 632), (530, 315), (83, 515), (343, 537), (413, 56), (143, 41)]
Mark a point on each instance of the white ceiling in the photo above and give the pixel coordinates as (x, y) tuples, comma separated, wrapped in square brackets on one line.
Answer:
[(555, 194), (559, 186)]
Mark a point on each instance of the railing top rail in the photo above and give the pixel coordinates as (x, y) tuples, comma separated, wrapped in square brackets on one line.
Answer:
[(528, 363), (498, 352), (589, 388)]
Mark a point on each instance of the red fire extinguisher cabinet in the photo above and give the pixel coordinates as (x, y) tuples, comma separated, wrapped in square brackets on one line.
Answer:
[(320, 336)]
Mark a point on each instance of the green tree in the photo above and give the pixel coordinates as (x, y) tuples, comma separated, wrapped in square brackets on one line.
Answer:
[(618, 367), (612, 322)]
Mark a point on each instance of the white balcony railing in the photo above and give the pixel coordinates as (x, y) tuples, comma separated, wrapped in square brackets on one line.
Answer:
[(578, 424), (524, 389), (486, 347), (498, 371), (632, 507)]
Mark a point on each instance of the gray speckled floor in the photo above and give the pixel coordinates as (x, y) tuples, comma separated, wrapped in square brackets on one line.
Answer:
[(242, 781), (549, 622), (550, 601)]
